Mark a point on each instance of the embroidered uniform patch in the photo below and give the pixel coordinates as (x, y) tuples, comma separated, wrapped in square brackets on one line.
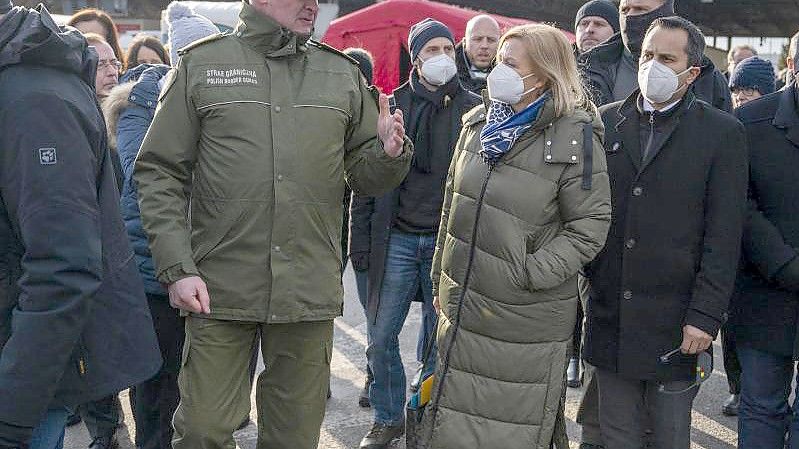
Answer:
[(47, 156)]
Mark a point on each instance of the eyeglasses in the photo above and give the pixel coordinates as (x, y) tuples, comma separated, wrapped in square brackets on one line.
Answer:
[(704, 367), (745, 91), (104, 63)]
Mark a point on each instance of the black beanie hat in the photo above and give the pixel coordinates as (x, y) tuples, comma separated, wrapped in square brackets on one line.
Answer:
[(754, 73), (423, 32), (365, 62), (599, 8), (5, 6)]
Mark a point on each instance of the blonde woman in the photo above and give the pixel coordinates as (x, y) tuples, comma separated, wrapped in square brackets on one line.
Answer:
[(527, 205)]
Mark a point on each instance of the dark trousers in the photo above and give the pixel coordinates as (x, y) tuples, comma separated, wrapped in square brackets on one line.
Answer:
[(766, 418), (101, 416), (627, 407), (732, 366), (155, 401), (577, 338)]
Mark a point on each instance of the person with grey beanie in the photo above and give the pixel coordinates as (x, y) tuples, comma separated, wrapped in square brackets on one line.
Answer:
[(185, 27), (596, 22)]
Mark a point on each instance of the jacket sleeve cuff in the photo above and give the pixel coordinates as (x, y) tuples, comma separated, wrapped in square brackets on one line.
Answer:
[(177, 272), (704, 322), (407, 151)]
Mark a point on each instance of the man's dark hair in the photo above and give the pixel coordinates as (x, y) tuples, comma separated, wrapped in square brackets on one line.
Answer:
[(696, 40)]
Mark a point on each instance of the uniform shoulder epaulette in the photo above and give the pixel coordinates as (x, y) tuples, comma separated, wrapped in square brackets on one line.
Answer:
[(203, 41), (328, 48)]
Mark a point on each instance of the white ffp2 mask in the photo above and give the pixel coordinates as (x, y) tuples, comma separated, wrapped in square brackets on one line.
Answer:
[(439, 69), (658, 82), (506, 85)]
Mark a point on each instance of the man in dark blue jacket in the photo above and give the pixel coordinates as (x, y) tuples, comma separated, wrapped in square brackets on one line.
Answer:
[(74, 324), (765, 308)]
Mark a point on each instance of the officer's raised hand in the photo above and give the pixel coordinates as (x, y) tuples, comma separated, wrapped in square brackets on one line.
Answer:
[(390, 128)]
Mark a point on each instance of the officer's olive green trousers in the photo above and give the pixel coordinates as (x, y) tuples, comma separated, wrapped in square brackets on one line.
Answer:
[(215, 386)]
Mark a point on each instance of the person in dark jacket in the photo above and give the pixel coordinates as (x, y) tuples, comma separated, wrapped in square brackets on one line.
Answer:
[(476, 53), (765, 308), (71, 292), (595, 22), (358, 227), (660, 288), (751, 79), (404, 222), (610, 69)]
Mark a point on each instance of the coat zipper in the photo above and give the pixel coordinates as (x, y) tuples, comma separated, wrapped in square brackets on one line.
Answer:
[(464, 289), (651, 135)]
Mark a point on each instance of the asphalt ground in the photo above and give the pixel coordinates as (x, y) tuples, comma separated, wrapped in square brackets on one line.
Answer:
[(346, 423)]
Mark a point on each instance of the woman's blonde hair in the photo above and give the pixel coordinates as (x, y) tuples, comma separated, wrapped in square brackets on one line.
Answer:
[(551, 55)]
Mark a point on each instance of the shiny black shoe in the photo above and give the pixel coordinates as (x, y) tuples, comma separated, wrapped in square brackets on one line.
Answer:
[(105, 443), (730, 407), (74, 419), (573, 378), (381, 436)]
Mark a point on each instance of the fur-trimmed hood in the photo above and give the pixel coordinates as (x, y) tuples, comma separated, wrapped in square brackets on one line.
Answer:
[(113, 105)]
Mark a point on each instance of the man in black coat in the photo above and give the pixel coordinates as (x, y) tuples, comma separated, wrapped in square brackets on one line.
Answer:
[(662, 283), (404, 223), (74, 321), (476, 53), (765, 308), (610, 69)]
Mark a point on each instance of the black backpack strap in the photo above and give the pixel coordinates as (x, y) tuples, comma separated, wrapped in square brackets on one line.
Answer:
[(588, 155)]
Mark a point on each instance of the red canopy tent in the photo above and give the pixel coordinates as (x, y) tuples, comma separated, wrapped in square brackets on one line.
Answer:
[(383, 28)]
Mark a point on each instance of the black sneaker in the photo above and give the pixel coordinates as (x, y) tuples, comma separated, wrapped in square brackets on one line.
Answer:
[(73, 420), (104, 443), (381, 436), (730, 407)]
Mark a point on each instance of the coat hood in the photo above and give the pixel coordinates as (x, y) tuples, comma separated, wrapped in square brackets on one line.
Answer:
[(31, 37)]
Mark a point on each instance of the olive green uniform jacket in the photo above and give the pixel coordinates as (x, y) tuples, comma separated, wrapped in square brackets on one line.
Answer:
[(254, 136), (513, 237)]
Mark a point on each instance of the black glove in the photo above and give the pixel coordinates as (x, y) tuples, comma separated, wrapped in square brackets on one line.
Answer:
[(788, 276), (360, 261)]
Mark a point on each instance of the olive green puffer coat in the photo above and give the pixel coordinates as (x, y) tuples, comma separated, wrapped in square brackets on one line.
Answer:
[(513, 237)]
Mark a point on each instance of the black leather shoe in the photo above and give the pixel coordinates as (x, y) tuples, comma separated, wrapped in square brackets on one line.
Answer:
[(381, 436), (730, 407), (591, 446), (104, 443), (417, 380), (573, 379), (73, 420)]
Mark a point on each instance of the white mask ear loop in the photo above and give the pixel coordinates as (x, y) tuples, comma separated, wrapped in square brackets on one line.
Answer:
[(531, 90)]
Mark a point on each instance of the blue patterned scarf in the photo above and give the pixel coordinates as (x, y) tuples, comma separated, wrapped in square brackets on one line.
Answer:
[(504, 127)]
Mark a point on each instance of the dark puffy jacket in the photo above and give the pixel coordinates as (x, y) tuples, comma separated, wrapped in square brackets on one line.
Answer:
[(599, 70), (129, 110), (74, 322)]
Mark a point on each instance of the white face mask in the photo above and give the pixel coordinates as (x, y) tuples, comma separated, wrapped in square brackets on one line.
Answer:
[(658, 83), (506, 85), (439, 69)]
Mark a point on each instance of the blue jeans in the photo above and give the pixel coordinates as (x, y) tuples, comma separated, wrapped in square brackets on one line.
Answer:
[(49, 434), (765, 418), (409, 260)]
